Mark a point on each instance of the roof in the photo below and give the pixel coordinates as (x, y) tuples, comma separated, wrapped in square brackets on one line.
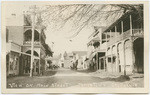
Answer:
[(96, 30), (95, 39)]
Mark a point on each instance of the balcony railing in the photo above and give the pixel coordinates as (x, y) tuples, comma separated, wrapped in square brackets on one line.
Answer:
[(135, 32), (29, 43), (36, 43)]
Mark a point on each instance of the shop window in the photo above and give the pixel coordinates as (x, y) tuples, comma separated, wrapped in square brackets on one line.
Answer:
[(114, 59), (11, 64), (15, 63), (7, 61), (109, 59)]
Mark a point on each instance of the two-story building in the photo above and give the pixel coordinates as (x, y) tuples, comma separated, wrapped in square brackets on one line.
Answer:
[(125, 44), (18, 41), (120, 47), (96, 48)]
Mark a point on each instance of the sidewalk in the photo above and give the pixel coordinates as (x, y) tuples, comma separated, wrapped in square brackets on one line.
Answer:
[(135, 80)]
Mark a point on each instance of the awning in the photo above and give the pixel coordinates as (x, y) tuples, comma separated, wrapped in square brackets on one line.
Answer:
[(35, 57)]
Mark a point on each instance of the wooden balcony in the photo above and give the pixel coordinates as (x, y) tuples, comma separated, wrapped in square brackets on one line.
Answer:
[(127, 34), (28, 43), (138, 32), (36, 44)]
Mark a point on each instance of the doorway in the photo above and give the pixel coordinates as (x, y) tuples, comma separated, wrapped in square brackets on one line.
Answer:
[(138, 47)]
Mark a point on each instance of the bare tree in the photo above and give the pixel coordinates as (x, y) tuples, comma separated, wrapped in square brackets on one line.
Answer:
[(81, 15)]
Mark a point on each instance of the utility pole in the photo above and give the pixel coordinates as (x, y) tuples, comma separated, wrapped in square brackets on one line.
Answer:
[(32, 41), (123, 49), (34, 12)]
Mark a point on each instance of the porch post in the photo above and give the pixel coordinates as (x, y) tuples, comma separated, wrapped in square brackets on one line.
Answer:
[(106, 52), (9, 63), (121, 27), (45, 63), (106, 37), (115, 33), (131, 25), (111, 59), (116, 50), (35, 66), (104, 63), (39, 66), (132, 50), (124, 58), (40, 34), (117, 59), (116, 47), (97, 61), (100, 35), (100, 63), (110, 35), (111, 51), (133, 56)]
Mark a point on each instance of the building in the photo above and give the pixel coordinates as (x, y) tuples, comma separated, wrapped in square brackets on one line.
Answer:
[(120, 47), (125, 44), (80, 56), (48, 62), (96, 49), (18, 41), (68, 60)]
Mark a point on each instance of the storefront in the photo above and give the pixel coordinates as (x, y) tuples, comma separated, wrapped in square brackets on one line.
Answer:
[(12, 63), (18, 63)]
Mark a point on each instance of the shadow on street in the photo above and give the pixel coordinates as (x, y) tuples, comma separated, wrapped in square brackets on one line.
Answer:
[(86, 71), (64, 78), (121, 78), (50, 73)]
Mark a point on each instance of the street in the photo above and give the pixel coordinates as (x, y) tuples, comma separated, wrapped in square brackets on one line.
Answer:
[(63, 78)]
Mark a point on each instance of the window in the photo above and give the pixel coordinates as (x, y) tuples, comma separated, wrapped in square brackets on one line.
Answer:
[(109, 59), (114, 59)]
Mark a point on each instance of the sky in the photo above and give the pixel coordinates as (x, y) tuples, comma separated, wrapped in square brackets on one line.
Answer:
[(60, 42), (59, 38)]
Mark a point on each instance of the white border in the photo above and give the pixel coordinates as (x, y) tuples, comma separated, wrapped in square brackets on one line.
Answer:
[(81, 90)]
